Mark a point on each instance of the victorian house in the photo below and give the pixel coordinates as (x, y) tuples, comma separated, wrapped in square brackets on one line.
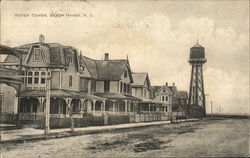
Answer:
[(141, 89), (165, 94), (59, 65), (111, 79)]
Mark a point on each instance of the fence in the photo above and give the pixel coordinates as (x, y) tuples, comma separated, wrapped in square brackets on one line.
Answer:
[(63, 121)]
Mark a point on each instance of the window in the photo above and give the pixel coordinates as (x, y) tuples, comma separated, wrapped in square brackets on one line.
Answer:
[(83, 84), (36, 80), (93, 86), (162, 98), (30, 78), (125, 74), (106, 86), (37, 54), (166, 98), (164, 90), (70, 81), (128, 89), (121, 84), (43, 79), (86, 85), (124, 88)]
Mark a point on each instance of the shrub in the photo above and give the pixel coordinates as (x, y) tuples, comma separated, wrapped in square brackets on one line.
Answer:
[(116, 119), (86, 120), (8, 118)]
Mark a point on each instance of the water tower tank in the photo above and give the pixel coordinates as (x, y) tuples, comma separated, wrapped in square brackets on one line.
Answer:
[(197, 54)]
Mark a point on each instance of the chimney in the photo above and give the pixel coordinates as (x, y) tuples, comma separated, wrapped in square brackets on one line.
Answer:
[(173, 84), (166, 84), (41, 38), (106, 57)]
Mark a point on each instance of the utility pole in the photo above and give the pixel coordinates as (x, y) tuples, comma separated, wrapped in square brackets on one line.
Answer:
[(212, 108), (47, 108)]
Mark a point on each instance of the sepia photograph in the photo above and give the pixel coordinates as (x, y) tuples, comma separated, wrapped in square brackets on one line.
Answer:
[(124, 78)]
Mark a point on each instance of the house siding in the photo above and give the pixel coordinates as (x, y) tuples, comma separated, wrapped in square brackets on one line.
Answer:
[(9, 99), (113, 86), (72, 70), (99, 86)]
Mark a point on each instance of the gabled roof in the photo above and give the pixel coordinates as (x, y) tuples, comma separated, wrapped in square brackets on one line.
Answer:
[(110, 69), (140, 79), (106, 69), (91, 65), (168, 90), (153, 90)]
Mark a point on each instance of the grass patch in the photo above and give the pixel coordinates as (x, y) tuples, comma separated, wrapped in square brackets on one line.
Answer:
[(99, 146), (152, 144)]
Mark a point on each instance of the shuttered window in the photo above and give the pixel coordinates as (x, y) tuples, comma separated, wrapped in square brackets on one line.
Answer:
[(106, 86)]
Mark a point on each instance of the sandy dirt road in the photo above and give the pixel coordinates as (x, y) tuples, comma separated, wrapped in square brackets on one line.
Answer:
[(204, 138)]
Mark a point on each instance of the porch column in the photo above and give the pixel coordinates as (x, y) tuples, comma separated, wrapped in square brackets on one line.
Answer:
[(82, 104), (113, 105), (59, 108), (103, 106), (129, 105), (69, 110), (126, 106), (94, 101), (41, 100)]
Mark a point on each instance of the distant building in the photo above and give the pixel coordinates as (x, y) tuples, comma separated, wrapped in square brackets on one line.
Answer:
[(182, 98), (164, 94), (181, 105)]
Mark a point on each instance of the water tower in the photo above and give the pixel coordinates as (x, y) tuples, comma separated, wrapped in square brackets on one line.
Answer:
[(196, 91)]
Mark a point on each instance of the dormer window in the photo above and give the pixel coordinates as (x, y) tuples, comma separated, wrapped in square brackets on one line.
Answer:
[(125, 74), (36, 54)]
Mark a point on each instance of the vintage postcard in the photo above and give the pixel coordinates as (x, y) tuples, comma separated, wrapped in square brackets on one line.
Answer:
[(141, 78)]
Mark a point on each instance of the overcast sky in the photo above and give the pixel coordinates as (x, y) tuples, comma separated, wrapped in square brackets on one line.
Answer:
[(156, 36)]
